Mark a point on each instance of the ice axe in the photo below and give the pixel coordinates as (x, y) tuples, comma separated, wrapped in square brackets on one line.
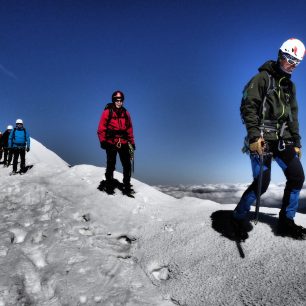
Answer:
[(259, 182), (132, 155)]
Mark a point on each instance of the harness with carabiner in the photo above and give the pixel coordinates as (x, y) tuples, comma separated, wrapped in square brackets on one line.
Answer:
[(118, 144), (270, 126)]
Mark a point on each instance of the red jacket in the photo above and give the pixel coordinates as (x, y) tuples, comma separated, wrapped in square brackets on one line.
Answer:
[(119, 126)]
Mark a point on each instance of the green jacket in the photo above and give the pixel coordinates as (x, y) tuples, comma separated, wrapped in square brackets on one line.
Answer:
[(280, 105)]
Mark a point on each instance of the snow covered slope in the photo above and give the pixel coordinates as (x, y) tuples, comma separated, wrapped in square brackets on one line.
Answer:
[(64, 242), (40, 154)]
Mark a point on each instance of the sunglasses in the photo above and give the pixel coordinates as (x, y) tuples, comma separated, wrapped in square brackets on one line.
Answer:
[(118, 99), (290, 59)]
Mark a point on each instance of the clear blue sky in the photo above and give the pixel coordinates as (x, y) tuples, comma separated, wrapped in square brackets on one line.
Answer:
[(181, 64)]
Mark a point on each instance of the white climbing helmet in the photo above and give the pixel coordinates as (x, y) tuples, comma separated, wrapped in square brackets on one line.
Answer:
[(294, 47), (9, 127), (19, 121)]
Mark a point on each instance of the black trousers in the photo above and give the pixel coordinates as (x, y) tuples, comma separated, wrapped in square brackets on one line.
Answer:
[(8, 155), (124, 154), (19, 152)]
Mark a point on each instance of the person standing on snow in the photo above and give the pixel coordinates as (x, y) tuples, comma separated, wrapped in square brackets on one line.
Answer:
[(115, 132), (4, 144), (270, 112), (19, 142)]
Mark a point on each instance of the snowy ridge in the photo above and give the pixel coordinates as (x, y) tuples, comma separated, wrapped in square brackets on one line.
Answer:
[(63, 242), (40, 154)]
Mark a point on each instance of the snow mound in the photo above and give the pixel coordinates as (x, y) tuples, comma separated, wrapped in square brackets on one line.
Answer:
[(64, 242), (40, 154)]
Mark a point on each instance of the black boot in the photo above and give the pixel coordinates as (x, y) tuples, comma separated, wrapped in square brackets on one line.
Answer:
[(128, 190), (109, 183), (287, 227), (110, 186)]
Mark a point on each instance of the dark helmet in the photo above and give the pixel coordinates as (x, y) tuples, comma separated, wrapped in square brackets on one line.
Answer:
[(117, 94)]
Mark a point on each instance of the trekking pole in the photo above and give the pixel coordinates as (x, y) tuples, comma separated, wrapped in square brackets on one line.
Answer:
[(261, 160)]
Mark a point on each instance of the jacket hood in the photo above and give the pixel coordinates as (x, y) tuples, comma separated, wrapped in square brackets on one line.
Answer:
[(272, 67)]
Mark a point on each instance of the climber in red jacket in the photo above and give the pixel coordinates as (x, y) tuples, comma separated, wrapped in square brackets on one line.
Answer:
[(115, 132)]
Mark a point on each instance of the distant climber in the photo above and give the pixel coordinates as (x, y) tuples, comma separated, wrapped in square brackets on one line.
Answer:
[(7, 159), (19, 142)]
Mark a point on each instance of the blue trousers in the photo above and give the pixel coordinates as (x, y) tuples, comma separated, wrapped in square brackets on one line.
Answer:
[(293, 170)]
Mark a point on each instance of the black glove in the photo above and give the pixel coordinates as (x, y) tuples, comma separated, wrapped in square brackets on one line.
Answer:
[(103, 145), (27, 149)]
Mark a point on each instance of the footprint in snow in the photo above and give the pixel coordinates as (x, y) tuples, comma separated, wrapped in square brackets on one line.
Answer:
[(126, 243), (161, 273), (124, 239), (86, 231), (18, 235), (168, 228)]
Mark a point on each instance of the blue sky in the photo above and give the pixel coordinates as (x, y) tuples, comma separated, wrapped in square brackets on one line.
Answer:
[(181, 64)]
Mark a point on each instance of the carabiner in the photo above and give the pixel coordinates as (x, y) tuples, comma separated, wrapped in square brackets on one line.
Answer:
[(281, 145), (118, 144)]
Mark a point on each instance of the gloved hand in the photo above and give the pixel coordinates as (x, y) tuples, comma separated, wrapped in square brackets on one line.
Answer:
[(258, 146), (27, 149), (298, 152), (103, 145)]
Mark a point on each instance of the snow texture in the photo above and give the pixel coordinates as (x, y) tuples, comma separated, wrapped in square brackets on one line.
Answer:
[(64, 242)]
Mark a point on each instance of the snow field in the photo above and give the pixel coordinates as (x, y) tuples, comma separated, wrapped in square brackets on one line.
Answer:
[(63, 242)]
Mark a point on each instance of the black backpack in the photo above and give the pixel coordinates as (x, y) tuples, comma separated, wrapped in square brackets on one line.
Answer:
[(110, 106), (270, 89)]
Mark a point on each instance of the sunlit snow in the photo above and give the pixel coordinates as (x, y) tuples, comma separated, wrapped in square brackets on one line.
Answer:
[(64, 242)]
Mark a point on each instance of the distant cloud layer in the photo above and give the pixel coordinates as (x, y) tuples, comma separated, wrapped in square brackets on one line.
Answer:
[(230, 194), (7, 72)]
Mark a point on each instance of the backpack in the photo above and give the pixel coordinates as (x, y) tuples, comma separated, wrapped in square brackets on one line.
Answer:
[(109, 106), (271, 87)]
